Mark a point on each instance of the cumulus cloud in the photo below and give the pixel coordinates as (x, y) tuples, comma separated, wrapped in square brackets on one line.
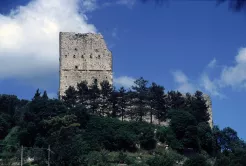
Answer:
[(235, 76), (29, 36), (212, 63), (89, 5), (184, 84), (210, 86), (125, 81), (129, 3)]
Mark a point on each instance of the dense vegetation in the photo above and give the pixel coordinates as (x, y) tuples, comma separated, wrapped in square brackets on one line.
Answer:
[(88, 127)]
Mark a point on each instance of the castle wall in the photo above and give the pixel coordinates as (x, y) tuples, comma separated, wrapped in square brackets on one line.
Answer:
[(206, 97), (83, 57)]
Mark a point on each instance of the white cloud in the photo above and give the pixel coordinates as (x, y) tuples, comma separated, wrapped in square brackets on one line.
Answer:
[(184, 85), (210, 86), (124, 81), (212, 63), (129, 3), (180, 77), (29, 36), (231, 76), (235, 76), (89, 5)]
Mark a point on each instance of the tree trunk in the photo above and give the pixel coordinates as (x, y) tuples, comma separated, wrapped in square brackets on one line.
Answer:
[(151, 114), (122, 115)]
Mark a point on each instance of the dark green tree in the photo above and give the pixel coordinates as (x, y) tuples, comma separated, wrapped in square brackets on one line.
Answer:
[(228, 140), (37, 95), (188, 102), (191, 139), (70, 97), (122, 102), (197, 160), (45, 96), (94, 94), (114, 103), (140, 102), (183, 125), (199, 108), (130, 101), (157, 102), (83, 93), (175, 100), (9, 104), (105, 98), (206, 137)]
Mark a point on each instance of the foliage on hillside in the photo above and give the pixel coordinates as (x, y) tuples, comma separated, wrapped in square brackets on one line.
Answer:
[(88, 128)]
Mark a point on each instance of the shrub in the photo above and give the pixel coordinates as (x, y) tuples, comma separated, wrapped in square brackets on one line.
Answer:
[(161, 160), (197, 160), (147, 140)]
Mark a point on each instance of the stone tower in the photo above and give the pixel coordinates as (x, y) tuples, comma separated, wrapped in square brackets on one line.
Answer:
[(209, 105), (83, 57)]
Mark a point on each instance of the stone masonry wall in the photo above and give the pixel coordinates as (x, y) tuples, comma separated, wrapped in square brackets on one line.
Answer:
[(83, 57), (209, 105)]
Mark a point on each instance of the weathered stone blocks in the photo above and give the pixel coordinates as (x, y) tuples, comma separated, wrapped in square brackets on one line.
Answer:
[(83, 57)]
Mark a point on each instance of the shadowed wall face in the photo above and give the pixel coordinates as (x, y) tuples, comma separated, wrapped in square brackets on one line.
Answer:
[(83, 57), (209, 105)]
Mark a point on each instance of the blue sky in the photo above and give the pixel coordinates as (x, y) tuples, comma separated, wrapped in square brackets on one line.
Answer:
[(184, 46)]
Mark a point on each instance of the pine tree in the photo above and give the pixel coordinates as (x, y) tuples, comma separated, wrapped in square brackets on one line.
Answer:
[(157, 102), (130, 101), (83, 93), (105, 97), (114, 103), (70, 97), (175, 100), (94, 94), (45, 96), (37, 95), (141, 100), (122, 102), (199, 108), (188, 101)]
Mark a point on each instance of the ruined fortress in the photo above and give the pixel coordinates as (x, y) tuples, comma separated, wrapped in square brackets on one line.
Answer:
[(85, 57)]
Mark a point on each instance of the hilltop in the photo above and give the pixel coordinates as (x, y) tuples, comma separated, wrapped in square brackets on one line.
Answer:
[(88, 127)]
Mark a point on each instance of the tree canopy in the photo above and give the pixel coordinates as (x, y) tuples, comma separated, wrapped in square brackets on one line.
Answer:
[(90, 126)]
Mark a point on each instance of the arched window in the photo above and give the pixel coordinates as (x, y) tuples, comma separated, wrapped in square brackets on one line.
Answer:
[(65, 56), (73, 56), (76, 67)]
